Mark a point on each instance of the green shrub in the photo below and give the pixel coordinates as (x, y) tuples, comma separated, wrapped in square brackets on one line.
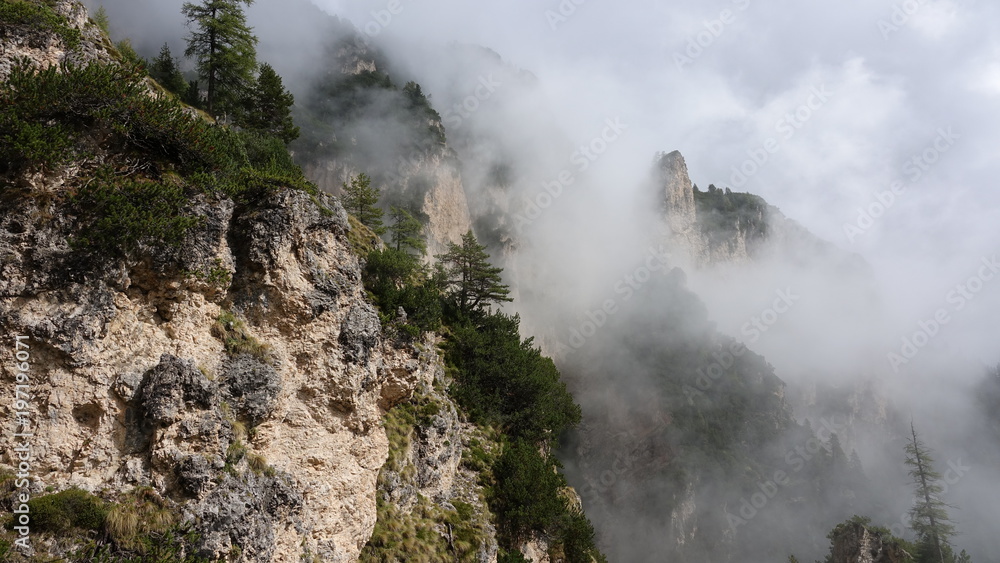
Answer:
[(576, 538), (70, 113), (528, 496), (174, 545), (526, 492), (121, 215), (235, 452), (72, 508), (98, 99), (476, 458), (397, 279), (513, 556)]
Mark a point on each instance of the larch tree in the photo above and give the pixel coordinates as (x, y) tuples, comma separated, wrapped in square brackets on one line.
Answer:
[(225, 49), (929, 514), (101, 20)]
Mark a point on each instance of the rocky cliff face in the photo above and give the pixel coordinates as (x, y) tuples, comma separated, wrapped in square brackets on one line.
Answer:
[(698, 231), (241, 378), (678, 198), (408, 157), (431, 486), (253, 402)]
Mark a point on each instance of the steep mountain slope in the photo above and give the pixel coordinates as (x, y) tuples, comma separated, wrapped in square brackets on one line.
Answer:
[(356, 119), (224, 364), (204, 377)]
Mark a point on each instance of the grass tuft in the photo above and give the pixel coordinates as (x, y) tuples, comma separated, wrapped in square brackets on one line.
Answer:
[(237, 338)]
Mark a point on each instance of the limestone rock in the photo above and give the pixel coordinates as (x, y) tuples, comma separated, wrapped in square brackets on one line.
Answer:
[(252, 385), (172, 387), (130, 379)]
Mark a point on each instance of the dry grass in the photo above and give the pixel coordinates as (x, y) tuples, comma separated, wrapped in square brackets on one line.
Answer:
[(140, 514), (362, 239), (236, 337)]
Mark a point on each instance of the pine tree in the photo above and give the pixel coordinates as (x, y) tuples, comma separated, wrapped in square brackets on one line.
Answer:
[(473, 282), (406, 231), (268, 107), (226, 51), (164, 69), (361, 200), (929, 514)]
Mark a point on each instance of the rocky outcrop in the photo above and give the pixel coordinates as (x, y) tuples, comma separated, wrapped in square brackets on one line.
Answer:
[(718, 226), (856, 543), (678, 197), (698, 232)]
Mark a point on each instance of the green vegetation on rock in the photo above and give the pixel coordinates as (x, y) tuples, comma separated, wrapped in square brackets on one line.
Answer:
[(151, 155), (38, 15)]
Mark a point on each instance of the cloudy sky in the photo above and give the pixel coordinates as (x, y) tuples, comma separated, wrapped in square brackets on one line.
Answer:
[(818, 107)]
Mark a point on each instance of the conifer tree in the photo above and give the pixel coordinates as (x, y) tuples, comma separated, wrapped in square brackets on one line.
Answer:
[(268, 107), (406, 232), (472, 281), (165, 70), (361, 200), (226, 51), (192, 96), (101, 19), (929, 514)]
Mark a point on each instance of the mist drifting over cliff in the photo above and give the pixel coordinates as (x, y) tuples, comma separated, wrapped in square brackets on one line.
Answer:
[(872, 125)]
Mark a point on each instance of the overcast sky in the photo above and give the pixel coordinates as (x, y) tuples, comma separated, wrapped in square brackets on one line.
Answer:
[(718, 80)]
